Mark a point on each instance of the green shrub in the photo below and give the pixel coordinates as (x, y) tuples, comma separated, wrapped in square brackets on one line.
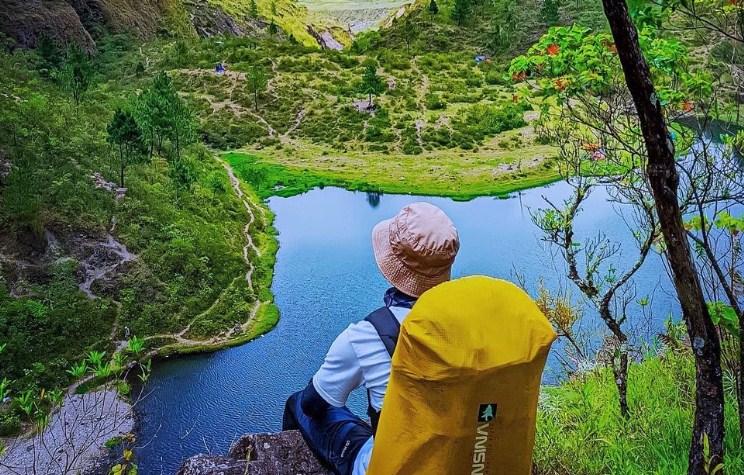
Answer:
[(10, 424), (434, 102), (495, 77)]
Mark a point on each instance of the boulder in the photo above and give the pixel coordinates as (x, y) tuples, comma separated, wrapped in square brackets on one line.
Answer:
[(282, 453)]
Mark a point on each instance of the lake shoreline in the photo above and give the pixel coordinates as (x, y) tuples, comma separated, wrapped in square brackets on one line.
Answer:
[(179, 349)]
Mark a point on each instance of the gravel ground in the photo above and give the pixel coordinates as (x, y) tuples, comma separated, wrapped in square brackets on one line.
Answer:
[(74, 438)]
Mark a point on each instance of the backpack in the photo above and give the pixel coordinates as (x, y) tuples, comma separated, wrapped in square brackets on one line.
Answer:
[(464, 383), (387, 327)]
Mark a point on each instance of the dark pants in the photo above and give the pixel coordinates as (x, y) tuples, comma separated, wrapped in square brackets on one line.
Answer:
[(335, 436)]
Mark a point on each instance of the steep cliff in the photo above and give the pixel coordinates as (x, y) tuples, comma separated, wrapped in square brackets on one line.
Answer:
[(25, 21), (82, 21)]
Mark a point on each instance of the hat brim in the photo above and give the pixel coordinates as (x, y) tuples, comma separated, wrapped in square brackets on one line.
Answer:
[(396, 271)]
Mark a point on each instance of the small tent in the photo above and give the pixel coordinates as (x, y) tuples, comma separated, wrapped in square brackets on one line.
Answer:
[(464, 384)]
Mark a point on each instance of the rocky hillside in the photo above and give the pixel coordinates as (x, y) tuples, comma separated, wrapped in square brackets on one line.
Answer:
[(25, 21), (83, 21)]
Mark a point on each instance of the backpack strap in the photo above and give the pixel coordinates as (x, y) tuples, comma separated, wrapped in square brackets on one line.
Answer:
[(387, 327)]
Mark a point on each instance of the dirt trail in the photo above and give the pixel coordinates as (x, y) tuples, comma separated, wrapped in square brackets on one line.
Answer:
[(421, 92), (298, 120), (237, 109), (250, 246)]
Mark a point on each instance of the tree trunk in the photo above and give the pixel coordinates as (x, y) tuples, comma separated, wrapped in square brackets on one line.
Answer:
[(664, 181), (620, 372), (121, 166), (178, 145), (740, 393)]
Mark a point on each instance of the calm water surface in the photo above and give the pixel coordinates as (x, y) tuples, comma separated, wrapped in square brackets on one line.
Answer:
[(326, 278)]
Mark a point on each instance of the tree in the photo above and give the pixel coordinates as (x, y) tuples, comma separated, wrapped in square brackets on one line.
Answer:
[(708, 429), (505, 31), (153, 108), (77, 72), (273, 30), (273, 9), (180, 122), (124, 134), (257, 82), (408, 32), (180, 53), (371, 83), (721, 24), (460, 11), (254, 9), (432, 9), (216, 183), (549, 12), (182, 175), (604, 83), (49, 53), (591, 264)]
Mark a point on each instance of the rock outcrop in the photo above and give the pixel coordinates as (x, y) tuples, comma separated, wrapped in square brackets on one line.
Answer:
[(25, 21), (282, 453), (67, 21)]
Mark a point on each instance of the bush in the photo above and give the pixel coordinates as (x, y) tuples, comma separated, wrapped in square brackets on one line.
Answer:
[(434, 102), (494, 77), (10, 424)]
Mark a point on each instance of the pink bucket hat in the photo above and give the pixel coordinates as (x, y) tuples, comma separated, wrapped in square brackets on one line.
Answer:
[(415, 249)]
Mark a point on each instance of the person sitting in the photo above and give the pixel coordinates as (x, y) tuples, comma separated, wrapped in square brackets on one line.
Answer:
[(414, 251)]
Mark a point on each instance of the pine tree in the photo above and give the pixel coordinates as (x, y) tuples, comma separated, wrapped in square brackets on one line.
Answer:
[(460, 11), (273, 9), (164, 115), (181, 53), (49, 53), (504, 32), (77, 72), (273, 30), (256, 81), (254, 9), (371, 83), (433, 8), (152, 109), (125, 134), (181, 127), (550, 13)]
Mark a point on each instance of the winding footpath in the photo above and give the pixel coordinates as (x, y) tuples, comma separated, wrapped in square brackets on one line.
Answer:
[(250, 245)]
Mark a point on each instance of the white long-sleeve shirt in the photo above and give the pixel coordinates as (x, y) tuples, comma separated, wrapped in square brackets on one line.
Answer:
[(357, 358)]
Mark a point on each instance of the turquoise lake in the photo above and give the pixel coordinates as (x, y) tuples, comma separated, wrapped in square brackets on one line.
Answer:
[(326, 278)]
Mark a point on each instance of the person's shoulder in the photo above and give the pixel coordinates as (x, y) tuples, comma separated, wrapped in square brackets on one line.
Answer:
[(361, 330)]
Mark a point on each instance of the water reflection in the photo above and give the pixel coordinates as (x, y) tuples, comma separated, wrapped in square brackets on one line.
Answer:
[(373, 198)]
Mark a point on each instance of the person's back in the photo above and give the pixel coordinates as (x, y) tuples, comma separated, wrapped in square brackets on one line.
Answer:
[(414, 251)]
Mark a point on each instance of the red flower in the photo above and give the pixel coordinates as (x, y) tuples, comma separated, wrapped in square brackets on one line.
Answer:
[(560, 84), (687, 106), (553, 49)]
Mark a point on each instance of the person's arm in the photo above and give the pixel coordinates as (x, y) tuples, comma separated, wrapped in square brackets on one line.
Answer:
[(339, 375)]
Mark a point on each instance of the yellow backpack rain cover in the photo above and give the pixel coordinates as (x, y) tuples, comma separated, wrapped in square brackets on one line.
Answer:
[(465, 378)]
